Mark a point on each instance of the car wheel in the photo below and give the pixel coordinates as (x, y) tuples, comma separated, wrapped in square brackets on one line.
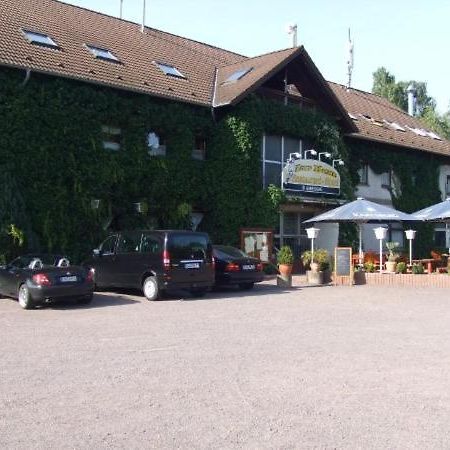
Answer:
[(85, 300), (151, 289), (198, 292), (24, 297), (246, 286)]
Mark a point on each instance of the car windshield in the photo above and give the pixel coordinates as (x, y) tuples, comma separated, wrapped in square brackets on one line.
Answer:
[(226, 251)]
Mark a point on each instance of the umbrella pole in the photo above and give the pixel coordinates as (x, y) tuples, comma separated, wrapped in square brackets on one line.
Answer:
[(360, 245), (446, 236)]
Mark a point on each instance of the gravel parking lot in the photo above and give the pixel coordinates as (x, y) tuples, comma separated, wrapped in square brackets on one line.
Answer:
[(318, 367)]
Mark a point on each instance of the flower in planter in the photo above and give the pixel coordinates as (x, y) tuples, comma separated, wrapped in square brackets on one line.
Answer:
[(321, 257), (391, 246), (401, 267)]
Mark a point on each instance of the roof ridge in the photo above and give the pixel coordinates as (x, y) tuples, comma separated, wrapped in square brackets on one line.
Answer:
[(148, 28)]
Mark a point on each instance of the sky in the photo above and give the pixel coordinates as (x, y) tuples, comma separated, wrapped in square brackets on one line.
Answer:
[(410, 38)]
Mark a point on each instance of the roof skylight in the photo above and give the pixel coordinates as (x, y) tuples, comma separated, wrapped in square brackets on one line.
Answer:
[(170, 70), (102, 53), (434, 135), (39, 39), (235, 76), (394, 125)]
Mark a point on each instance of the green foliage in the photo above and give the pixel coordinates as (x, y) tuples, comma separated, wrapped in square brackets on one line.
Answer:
[(401, 267), (321, 257), (285, 255), (369, 267), (270, 269), (11, 241), (417, 269), (391, 246)]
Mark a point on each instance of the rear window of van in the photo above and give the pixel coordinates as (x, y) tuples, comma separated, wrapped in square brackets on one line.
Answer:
[(188, 247)]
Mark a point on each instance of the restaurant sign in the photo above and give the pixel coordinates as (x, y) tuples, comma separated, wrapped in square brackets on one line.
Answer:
[(310, 176)]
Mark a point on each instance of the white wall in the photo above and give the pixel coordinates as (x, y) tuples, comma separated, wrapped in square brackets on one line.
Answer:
[(444, 170), (374, 191)]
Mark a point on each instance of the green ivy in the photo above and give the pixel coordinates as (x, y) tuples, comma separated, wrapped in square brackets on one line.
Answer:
[(54, 164)]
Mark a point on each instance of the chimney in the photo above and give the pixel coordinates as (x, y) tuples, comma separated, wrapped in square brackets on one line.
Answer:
[(411, 100)]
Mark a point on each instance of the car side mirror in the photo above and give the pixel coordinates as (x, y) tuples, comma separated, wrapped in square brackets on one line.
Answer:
[(97, 252)]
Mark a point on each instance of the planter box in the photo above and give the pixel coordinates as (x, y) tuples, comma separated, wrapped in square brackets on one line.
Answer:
[(314, 277), (408, 279)]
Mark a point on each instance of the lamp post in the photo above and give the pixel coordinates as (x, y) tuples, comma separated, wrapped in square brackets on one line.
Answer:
[(312, 151), (410, 235), (380, 234), (339, 162), (326, 154), (312, 233)]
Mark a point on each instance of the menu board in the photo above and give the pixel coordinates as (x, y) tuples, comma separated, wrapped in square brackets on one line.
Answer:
[(257, 242), (343, 261)]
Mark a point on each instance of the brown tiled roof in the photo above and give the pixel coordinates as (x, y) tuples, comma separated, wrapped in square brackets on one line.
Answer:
[(378, 112), (260, 69), (71, 27)]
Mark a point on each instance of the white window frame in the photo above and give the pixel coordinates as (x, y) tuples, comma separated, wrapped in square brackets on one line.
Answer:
[(102, 53), (37, 38), (110, 144)]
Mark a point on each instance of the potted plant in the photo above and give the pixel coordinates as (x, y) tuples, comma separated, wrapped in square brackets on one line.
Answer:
[(392, 256), (401, 267), (319, 267), (285, 259)]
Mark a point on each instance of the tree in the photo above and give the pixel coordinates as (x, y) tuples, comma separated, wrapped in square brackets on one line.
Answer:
[(385, 85)]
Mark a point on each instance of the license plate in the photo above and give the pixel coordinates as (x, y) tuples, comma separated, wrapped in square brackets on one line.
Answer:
[(68, 279), (248, 267), (192, 266)]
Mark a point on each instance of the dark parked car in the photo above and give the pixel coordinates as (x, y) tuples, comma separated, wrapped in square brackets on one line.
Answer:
[(235, 267), (38, 279), (155, 261)]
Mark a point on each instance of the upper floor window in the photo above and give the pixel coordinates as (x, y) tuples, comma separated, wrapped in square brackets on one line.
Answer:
[(386, 179), (111, 137), (102, 53), (363, 173), (170, 70), (40, 39), (156, 144), (199, 150)]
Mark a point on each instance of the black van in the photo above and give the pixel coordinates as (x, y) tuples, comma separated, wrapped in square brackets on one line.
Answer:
[(155, 261)]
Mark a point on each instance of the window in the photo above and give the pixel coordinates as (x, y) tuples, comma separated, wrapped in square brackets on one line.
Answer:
[(150, 244), (129, 243), (188, 247), (199, 151), (102, 53), (39, 39), (170, 70), (447, 185), (386, 179), (235, 76), (363, 173), (111, 137), (109, 246), (156, 144), (439, 237), (275, 151)]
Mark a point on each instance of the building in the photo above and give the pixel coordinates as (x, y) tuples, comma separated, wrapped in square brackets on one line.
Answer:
[(103, 120)]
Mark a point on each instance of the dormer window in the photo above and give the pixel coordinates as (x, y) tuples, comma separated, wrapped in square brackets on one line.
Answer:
[(170, 70), (235, 76), (39, 39), (102, 53)]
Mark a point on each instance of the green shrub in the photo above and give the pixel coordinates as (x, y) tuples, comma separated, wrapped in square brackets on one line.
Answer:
[(285, 255), (321, 257), (417, 269), (401, 267), (369, 267)]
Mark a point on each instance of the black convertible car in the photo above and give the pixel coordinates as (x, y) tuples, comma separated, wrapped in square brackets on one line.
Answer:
[(234, 267), (39, 279)]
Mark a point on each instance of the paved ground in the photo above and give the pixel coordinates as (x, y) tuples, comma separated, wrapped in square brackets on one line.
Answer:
[(321, 367)]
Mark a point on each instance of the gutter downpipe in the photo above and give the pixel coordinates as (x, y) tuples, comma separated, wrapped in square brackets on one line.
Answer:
[(27, 77)]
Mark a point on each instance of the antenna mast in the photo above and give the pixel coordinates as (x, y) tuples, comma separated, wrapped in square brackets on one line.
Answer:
[(121, 8), (143, 17), (292, 29), (349, 60)]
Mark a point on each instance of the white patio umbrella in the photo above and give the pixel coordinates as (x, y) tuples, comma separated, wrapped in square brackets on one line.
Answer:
[(440, 213), (362, 211)]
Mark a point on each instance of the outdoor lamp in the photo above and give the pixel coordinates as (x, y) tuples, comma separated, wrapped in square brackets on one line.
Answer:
[(312, 151), (312, 233), (339, 162), (410, 235), (326, 154), (380, 234), (295, 155)]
